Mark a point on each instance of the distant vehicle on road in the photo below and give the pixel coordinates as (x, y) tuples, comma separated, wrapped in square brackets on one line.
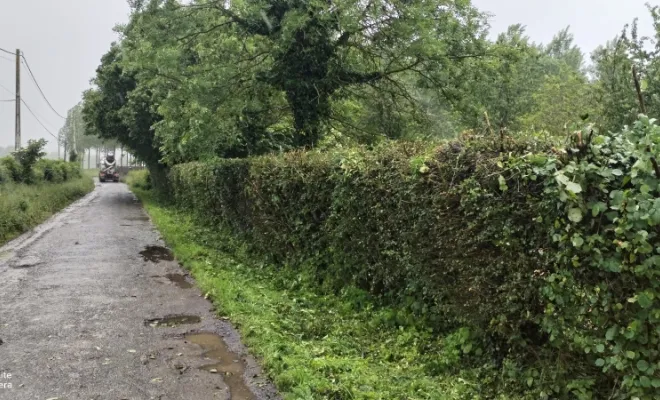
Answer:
[(109, 175), (108, 171)]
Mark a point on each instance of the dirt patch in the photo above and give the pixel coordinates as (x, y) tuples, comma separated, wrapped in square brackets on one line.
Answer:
[(140, 218), (172, 321), (27, 262), (156, 254), (179, 280), (225, 362), (7, 255)]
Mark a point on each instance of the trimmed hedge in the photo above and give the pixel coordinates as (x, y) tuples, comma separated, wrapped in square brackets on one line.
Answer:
[(402, 222), (461, 236)]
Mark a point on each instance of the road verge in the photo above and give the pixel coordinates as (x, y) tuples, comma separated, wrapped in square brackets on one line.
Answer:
[(22, 207), (315, 345)]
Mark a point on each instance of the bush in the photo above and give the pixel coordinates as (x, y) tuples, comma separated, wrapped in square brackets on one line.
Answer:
[(27, 166), (139, 179), (28, 157), (58, 171), (5, 174), (529, 254), (13, 168)]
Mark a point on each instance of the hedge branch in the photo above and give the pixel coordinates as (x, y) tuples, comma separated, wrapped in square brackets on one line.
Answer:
[(642, 107)]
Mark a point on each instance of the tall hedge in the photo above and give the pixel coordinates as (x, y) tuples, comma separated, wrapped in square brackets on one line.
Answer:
[(465, 235)]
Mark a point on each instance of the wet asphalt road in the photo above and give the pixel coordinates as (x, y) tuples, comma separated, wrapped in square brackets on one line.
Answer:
[(78, 314)]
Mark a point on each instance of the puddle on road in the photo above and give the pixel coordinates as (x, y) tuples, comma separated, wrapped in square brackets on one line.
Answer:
[(156, 254), (179, 280), (172, 321), (226, 363)]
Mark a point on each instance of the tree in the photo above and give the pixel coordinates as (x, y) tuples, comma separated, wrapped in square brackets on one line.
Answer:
[(27, 158), (501, 84), (563, 50), (215, 80), (561, 102), (316, 48)]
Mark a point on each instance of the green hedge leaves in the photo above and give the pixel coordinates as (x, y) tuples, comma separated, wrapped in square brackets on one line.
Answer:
[(547, 259)]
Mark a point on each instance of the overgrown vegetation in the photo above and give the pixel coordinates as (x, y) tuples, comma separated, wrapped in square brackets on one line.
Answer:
[(33, 188)]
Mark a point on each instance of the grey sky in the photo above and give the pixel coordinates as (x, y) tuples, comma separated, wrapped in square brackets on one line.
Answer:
[(593, 22), (64, 40)]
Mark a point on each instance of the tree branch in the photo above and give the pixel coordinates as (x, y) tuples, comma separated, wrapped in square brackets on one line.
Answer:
[(349, 77), (195, 34), (260, 28)]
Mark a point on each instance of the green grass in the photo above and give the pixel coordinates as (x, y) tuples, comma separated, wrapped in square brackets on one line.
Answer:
[(316, 346), (91, 173), (22, 207)]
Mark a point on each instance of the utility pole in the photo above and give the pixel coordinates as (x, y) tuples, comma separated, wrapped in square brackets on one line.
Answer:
[(73, 122), (18, 100)]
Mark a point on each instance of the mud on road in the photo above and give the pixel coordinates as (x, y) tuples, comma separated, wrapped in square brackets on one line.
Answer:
[(93, 306)]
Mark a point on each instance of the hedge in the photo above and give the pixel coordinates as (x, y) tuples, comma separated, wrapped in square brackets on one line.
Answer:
[(464, 235)]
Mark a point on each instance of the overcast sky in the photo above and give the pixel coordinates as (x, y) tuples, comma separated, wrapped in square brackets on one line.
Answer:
[(64, 41), (593, 22)]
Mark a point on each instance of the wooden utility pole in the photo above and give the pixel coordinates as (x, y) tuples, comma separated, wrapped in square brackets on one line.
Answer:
[(18, 100), (73, 121)]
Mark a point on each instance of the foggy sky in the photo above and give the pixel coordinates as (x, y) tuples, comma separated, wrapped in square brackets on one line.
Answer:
[(593, 22), (64, 41)]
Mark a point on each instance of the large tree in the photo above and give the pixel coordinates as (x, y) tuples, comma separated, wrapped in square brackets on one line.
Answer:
[(257, 76), (116, 110)]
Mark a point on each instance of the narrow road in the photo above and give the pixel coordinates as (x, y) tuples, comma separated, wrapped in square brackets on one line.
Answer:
[(92, 306)]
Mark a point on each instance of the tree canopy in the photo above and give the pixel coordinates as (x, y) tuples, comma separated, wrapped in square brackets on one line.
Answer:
[(206, 78)]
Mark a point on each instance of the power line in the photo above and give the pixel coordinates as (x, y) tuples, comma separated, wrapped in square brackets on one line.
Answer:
[(7, 101), (42, 94), (40, 123), (9, 91), (31, 112), (39, 87), (6, 58)]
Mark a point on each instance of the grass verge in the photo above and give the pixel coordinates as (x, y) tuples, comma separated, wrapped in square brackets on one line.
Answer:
[(316, 346), (22, 207)]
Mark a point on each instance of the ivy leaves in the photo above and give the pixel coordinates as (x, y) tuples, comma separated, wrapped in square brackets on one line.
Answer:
[(606, 212)]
